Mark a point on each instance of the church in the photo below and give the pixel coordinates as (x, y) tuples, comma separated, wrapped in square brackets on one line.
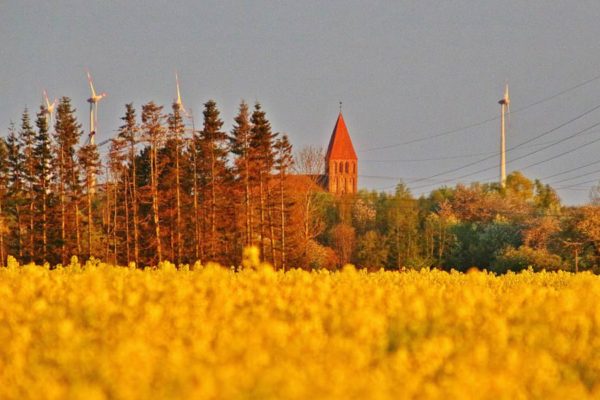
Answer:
[(341, 163)]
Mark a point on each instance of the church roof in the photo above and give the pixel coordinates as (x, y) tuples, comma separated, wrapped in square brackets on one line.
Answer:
[(340, 144)]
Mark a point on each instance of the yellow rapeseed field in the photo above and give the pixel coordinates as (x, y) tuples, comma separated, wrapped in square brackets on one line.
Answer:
[(97, 331)]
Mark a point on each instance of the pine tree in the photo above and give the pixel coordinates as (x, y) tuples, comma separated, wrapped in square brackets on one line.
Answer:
[(67, 132), (129, 132), (240, 140), (26, 139), (173, 148), (118, 171), (283, 163), (43, 182), (213, 167), (194, 156), (15, 188), (262, 139), (153, 129), (4, 168), (89, 161)]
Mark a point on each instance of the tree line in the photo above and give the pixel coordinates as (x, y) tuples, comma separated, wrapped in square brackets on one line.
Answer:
[(167, 190), (478, 225)]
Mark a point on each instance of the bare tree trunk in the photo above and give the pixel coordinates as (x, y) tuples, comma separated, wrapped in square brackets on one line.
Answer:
[(307, 222), (178, 200), (89, 217), (172, 244), (262, 214), (2, 227), (127, 235), (77, 223), (154, 184), (134, 200), (44, 224), (442, 244), (271, 225), (19, 233), (106, 218), (213, 205), (63, 228), (282, 219), (249, 239), (196, 209), (31, 226), (77, 229), (115, 214)]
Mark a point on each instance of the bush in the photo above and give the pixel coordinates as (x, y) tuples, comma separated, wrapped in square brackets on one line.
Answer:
[(512, 259)]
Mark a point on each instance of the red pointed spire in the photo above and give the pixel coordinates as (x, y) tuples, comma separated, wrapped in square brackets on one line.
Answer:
[(340, 144)]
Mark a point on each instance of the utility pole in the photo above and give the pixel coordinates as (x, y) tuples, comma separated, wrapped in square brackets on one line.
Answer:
[(576, 247), (504, 109)]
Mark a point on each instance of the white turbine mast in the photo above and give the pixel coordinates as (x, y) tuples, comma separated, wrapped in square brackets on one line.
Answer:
[(504, 110), (48, 107), (93, 100)]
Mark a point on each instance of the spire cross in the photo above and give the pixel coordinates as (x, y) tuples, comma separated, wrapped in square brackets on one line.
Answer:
[(340, 106)]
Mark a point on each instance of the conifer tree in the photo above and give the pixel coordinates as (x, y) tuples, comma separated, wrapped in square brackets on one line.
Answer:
[(26, 139), (4, 229), (67, 132), (129, 132), (283, 163), (43, 175), (15, 187), (173, 148), (153, 129), (117, 170), (213, 167), (262, 139), (89, 161), (194, 154), (240, 141)]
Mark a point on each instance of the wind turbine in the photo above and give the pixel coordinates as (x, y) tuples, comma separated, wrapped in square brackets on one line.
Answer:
[(93, 100), (504, 109), (178, 100), (48, 108)]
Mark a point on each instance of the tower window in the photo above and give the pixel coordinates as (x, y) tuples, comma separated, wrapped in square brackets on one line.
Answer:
[(347, 167)]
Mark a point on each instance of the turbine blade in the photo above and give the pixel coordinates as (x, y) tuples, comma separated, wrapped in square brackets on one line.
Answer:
[(91, 84), (507, 100), (46, 100), (178, 91)]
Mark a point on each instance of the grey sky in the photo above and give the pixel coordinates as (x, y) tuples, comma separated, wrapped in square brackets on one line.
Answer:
[(404, 70)]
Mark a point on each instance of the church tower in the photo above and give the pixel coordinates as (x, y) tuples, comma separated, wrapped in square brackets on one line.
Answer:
[(341, 163)]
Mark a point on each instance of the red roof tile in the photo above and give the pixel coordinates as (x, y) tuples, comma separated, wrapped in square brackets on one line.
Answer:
[(340, 144)]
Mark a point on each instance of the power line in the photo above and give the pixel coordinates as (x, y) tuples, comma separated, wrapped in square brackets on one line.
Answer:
[(448, 157), (577, 177), (570, 170), (485, 121), (433, 158), (521, 144), (523, 156), (395, 178), (563, 153), (577, 184), (533, 152)]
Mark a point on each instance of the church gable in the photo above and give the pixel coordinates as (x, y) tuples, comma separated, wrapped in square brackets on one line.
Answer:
[(341, 163), (340, 145)]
